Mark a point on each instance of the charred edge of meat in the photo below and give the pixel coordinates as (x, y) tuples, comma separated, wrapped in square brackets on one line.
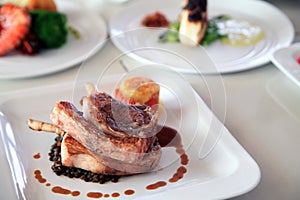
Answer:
[(73, 172), (197, 7)]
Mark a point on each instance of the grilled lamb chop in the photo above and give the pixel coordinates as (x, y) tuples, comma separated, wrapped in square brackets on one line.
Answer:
[(193, 22), (118, 150)]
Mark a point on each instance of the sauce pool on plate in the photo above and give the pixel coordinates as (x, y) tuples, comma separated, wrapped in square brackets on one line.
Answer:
[(64, 191), (129, 192), (37, 156), (156, 185)]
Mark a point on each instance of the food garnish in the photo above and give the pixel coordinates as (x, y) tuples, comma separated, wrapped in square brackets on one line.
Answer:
[(31, 29), (211, 35), (156, 19)]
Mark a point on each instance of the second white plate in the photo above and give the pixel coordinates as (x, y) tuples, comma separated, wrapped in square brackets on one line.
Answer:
[(142, 43), (93, 32)]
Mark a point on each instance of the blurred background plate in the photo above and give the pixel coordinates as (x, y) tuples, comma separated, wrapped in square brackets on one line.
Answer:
[(93, 34), (285, 59), (142, 43)]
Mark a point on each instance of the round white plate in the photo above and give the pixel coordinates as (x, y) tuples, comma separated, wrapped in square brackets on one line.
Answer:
[(93, 33), (142, 43), (285, 59)]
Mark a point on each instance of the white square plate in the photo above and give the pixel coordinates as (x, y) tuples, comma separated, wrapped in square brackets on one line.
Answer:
[(226, 171)]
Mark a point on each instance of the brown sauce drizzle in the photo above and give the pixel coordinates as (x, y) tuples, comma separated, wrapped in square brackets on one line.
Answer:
[(184, 159), (167, 137), (56, 189), (37, 156), (115, 194), (156, 185), (60, 190), (129, 192), (178, 175), (38, 176), (75, 193), (64, 191), (94, 195)]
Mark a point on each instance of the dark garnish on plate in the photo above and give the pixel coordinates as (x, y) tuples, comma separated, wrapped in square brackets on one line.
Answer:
[(31, 44)]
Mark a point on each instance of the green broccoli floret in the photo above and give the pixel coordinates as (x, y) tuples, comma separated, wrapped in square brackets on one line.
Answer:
[(50, 27)]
